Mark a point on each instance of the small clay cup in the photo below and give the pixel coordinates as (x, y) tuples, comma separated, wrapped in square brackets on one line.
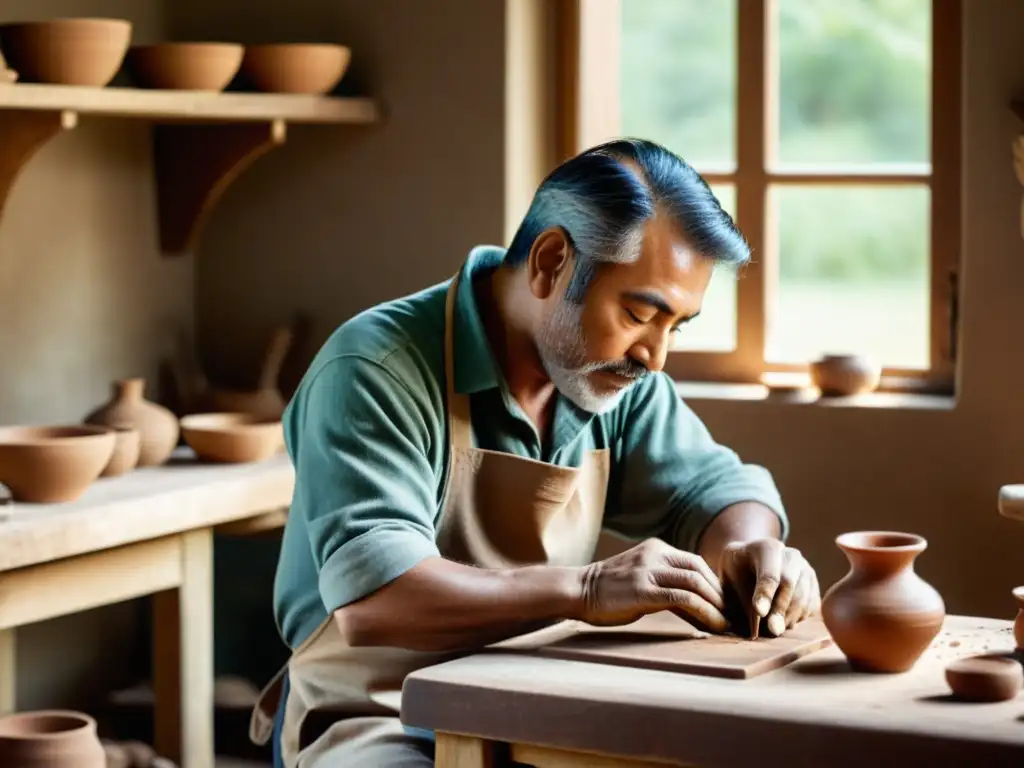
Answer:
[(50, 739), (66, 51), (127, 444), (185, 66), (48, 465), (232, 438), (985, 678), (1018, 624), (295, 67), (843, 375)]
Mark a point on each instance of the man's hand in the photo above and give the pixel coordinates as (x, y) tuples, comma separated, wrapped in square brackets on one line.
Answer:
[(774, 579), (651, 577)]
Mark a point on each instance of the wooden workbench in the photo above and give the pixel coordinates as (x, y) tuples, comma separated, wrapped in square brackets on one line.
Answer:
[(550, 713), (147, 532)]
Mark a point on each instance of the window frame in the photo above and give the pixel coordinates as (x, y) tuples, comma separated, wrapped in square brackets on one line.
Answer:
[(588, 87)]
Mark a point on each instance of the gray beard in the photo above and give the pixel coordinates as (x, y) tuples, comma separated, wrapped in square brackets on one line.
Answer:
[(562, 350)]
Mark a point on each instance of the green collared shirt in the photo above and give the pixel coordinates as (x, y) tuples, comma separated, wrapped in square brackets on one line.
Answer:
[(367, 433)]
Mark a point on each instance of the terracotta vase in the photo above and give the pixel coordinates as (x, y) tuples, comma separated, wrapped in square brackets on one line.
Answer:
[(50, 739), (882, 615), (1018, 624), (127, 407)]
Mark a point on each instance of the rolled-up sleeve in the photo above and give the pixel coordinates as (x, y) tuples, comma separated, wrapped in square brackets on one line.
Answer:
[(671, 478), (364, 483)]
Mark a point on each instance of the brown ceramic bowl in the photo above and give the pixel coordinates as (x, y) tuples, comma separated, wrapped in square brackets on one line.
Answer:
[(185, 66), (46, 465), (66, 51), (295, 67), (127, 447), (985, 678), (232, 438)]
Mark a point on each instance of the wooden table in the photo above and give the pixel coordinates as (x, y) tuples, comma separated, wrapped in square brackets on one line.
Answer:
[(147, 532), (816, 712)]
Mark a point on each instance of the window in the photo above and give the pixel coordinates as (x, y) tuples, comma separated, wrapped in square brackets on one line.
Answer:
[(830, 130)]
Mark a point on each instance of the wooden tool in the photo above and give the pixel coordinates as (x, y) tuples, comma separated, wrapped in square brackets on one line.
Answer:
[(666, 642)]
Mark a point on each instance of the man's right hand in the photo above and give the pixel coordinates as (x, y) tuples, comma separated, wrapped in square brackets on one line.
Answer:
[(652, 576)]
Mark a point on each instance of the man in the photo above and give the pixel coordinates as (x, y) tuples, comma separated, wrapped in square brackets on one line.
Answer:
[(458, 452)]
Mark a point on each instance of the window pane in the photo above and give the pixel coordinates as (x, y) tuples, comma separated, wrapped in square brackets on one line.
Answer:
[(714, 330), (854, 81), (853, 273), (678, 75)]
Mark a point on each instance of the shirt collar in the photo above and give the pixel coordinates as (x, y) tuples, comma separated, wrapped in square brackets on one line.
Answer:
[(475, 366)]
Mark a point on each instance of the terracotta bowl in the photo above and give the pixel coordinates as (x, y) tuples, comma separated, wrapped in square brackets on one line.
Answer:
[(185, 66), (232, 437), (295, 67), (47, 465), (66, 51), (838, 375), (127, 447)]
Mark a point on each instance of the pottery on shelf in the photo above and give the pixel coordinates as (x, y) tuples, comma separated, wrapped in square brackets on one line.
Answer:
[(232, 438), (985, 678), (127, 442), (840, 375), (158, 427), (66, 51), (882, 615), (50, 465), (50, 739), (295, 67), (185, 66)]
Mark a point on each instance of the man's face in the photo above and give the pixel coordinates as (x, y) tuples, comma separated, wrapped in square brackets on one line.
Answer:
[(595, 350)]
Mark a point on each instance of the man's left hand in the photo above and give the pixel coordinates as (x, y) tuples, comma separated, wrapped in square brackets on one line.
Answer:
[(777, 581)]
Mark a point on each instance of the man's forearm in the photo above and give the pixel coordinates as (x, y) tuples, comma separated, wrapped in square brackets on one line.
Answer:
[(746, 521), (440, 605)]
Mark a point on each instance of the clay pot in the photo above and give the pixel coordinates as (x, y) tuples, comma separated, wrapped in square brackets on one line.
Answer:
[(67, 51), (50, 465), (50, 739), (1018, 624), (295, 67), (985, 678), (232, 438), (839, 375), (185, 66), (882, 615), (158, 427), (127, 442)]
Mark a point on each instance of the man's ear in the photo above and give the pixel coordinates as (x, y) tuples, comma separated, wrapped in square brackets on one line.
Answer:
[(551, 256)]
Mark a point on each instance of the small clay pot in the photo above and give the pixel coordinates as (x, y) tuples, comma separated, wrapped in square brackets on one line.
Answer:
[(127, 443), (1018, 624), (985, 678), (50, 739), (66, 51), (295, 67), (842, 375), (185, 66), (128, 407), (232, 438), (49, 465), (882, 615)]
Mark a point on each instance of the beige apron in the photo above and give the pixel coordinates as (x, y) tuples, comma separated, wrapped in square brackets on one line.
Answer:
[(499, 511)]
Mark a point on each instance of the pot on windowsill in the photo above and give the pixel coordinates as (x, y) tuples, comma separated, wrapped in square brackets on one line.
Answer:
[(844, 375)]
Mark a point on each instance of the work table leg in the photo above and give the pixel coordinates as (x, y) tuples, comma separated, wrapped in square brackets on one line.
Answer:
[(455, 751), (183, 658), (8, 676)]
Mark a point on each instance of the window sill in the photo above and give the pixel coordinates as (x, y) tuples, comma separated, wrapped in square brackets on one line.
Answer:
[(699, 390)]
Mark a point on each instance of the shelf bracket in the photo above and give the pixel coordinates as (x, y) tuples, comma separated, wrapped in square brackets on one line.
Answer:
[(195, 164), (22, 133)]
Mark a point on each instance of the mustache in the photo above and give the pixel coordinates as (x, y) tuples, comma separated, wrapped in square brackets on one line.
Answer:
[(627, 368)]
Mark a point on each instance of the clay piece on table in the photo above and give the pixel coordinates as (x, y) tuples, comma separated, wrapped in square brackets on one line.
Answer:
[(1018, 624), (53, 464), (127, 406), (50, 739), (882, 615), (985, 678), (232, 438)]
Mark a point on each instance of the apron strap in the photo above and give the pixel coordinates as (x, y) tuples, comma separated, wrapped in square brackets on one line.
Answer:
[(460, 429)]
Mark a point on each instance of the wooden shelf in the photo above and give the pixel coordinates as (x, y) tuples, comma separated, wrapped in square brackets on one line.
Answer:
[(202, 141), (148, 503)]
